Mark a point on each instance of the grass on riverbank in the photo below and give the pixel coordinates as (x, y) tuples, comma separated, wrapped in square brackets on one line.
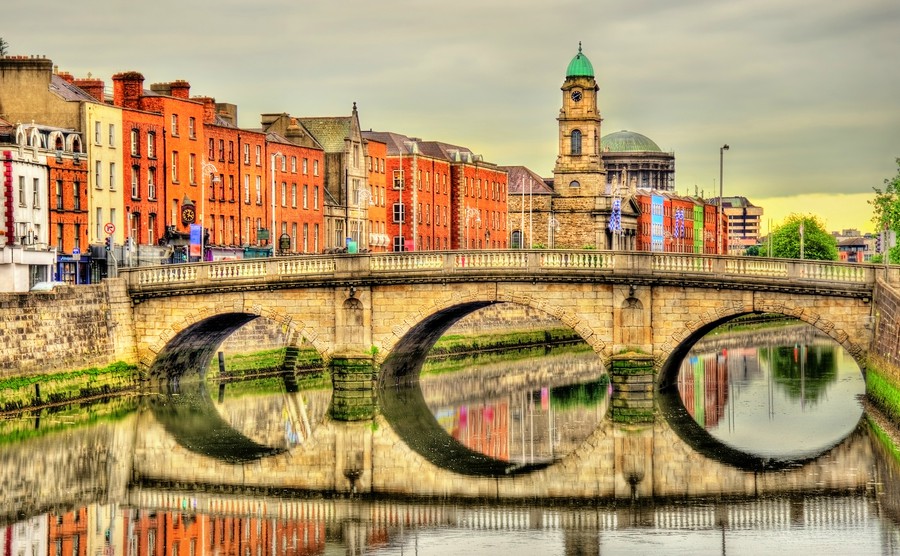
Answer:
[(450, 344), (883, 393), (22, 392), (68, 417), (241, 365)]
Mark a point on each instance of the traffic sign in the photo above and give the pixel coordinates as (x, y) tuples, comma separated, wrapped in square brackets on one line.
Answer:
[(109, 228)]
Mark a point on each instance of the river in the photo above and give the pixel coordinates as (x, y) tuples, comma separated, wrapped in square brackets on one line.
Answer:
[(763, 447)]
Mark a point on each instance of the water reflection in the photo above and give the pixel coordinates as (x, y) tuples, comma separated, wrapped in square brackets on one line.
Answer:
[(786, 395), (200, 523), (525, 411)]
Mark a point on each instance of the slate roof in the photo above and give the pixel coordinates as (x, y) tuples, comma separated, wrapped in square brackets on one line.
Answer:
[(68, 91), (330, 132), (522, 181)]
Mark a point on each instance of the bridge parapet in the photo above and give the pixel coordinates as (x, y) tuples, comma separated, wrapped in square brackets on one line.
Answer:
[(751, 273)]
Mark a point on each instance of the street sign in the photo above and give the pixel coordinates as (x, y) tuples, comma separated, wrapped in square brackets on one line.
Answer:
[(76, 254), (109, 228)]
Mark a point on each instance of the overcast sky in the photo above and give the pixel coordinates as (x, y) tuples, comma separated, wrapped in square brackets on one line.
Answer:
[(805, 92)]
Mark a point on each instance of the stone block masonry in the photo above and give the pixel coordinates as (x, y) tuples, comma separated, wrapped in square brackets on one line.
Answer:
[(70, 328)]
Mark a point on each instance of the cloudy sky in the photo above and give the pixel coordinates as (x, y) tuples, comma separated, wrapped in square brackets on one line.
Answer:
[(805, 92)]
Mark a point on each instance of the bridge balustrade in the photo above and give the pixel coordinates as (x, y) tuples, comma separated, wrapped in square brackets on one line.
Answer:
[(440, 264)]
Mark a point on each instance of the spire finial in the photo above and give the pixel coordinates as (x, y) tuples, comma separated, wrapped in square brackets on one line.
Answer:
[(579, 47)]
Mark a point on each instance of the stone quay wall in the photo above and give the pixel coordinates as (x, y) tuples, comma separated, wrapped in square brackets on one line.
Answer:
[(884, 353), (67, 329)]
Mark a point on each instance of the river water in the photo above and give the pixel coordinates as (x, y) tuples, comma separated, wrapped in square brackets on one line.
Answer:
[(779, 409)]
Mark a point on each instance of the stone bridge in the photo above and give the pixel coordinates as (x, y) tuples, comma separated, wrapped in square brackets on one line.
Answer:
[(380, 313)]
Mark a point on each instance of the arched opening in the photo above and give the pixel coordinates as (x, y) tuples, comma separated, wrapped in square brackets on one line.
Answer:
[(754, 391), (575, 139), (473, 392)]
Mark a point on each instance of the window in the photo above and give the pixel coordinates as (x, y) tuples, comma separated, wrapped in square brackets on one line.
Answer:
[(293, 164), (294, 195), (246, 153), (135, 142), (192, 127), (96, 133), (231, 187), (174, 125), (175, 166), (222, 149), (76, 192), (151, 183), (135, 186), (316, 200), (399, 213), (305, 196), (574, 183), (22, 191), (231, 151), (398, 179), (78, 236), (36, 193), (98, 174), (305, 237), (305, 166), (283, 163), (112, 176), (576, 142), (315, 167), (99, 222), (192, 169), (151, 145), (211, 155), (112, 135), (246, 189), (284, 194), (258, 190), (258, 155)]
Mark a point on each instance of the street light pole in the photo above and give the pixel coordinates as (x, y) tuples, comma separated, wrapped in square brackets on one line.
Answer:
[(722, 150), (272, 232), (207, 168)]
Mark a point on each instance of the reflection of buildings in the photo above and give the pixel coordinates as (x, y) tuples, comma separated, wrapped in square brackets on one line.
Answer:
[(706, 378), (67, 533), (25, 537)]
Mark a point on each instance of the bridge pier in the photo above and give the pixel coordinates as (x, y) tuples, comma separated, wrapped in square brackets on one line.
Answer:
[(633, 379), (354, 378)]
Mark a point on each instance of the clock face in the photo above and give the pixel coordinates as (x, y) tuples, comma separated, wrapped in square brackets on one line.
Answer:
[(576, 95)]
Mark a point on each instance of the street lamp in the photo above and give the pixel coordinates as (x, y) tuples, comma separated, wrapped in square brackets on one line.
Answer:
[(272, 231), (207, 168), (722, 150), (470, 212)]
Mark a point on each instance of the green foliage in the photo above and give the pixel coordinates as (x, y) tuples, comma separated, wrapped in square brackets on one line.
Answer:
[(818, 244), (883, 393), (886, 209), (4, 47), (753, 251)]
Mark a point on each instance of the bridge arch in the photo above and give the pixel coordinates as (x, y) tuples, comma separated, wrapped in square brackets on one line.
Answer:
[(671, 353), (191, 342), (412, 338)]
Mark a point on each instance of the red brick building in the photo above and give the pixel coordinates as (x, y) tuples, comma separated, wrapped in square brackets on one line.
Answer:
[(376, 155)]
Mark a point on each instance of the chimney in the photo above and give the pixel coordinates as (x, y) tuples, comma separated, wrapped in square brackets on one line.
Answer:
[(227, 111), (93, 87), (209, 109), (164, 89), (128, 88), (67, 77), (180, 89), (293, 133)]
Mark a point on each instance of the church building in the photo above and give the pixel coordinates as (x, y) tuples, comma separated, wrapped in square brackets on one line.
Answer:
[(581, 211)]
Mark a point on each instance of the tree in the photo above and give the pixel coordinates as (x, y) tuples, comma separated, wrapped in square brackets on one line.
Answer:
[(817, 243), (886, 209), (4, 47)]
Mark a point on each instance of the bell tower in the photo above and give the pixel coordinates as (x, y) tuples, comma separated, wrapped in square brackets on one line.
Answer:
[(579, 168)]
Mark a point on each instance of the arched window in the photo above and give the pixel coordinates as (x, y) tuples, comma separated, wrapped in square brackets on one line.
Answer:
[(576, 141)]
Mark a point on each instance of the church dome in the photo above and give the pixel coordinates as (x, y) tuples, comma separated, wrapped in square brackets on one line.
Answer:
[(580, 66), (627, 141)]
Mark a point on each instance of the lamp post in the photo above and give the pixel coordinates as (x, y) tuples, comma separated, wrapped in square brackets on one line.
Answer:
[(722, 150), (413, 200), (272, 231), (207, 168)]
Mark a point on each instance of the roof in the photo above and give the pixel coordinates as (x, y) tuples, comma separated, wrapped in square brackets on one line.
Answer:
[(627, 141), (68, 91), (580, 66), (330, 132), (520, 181)]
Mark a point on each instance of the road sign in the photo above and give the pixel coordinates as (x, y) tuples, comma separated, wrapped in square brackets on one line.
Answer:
[(109, 228), (76, 254)]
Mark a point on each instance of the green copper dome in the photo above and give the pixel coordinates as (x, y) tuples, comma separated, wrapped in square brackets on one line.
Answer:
[(580, 66), (628, 141)]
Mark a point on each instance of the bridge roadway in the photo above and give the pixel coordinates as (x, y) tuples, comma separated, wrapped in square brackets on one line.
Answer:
[(387, 310)]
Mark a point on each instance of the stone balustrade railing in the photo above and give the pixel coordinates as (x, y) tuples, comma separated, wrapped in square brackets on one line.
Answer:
[(442, 265)]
